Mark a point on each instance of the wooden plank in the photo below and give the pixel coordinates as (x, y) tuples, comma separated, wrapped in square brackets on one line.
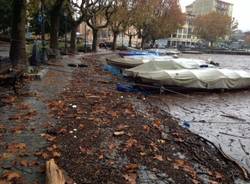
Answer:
[(54, 175)]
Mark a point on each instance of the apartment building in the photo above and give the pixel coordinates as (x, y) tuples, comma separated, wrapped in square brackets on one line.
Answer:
[(185, 35), (203, 7)]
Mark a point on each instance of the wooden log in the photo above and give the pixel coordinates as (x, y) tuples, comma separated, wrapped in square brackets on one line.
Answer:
[(54, 175)]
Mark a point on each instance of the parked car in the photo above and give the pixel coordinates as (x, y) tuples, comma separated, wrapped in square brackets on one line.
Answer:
[(105, 45)]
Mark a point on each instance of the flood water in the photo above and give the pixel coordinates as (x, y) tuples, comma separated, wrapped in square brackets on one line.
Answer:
[(221, 117)]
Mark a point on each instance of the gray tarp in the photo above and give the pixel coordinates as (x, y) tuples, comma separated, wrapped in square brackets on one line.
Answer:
[(184, 74)]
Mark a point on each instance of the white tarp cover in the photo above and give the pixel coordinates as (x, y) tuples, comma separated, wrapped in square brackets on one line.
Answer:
[(133, 61), (158, 64), (164, 51), (203, 78), (169, 62)]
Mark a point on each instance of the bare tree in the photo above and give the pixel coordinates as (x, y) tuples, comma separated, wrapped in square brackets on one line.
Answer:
[(119, 20), (98, 17), (77, 14)]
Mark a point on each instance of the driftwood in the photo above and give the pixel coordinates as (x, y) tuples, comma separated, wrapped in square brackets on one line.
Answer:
[(54, 175)]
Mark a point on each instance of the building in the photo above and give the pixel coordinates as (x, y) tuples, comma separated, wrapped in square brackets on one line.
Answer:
[(203, 7), (106, 35), (185, 35)]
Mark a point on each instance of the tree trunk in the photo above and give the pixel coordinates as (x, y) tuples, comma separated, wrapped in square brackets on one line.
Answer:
[(54, 30), (73, 40), (114, 45), (142, 42), (95, 39), (211, 44), (130, 41), (17, 49), (153, 42)]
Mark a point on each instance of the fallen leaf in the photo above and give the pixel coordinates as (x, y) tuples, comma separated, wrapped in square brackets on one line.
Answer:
[(130, 143), (154, 146), (16, 147), (130, 178), (132, 167), (4, 182), (44, 155), (128, 111), (15, 117), (218, 175), (157, 123), (56, 154), (159, 157), (29, 115), (121, 127), (17, 129), (101, 157), (9, 99), (24, 163), (119, 133), (86, 150), (2, 129), (56, 105), (113, 114), (62, 131), (81, 126), (23, 106), (142, 153), (112, 146), (48, 137), (11, 176), (146, 128), (185, 166)]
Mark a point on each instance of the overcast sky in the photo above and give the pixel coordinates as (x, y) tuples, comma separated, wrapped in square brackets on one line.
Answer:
[(241, 12)]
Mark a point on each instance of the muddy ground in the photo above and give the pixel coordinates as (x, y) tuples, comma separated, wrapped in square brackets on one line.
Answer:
[(100, 135), (105, 136)]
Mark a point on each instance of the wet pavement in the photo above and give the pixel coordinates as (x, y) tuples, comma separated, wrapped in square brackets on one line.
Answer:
[(221, 117), (25, 120)]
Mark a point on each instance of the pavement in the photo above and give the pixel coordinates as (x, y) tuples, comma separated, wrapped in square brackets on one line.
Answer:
[(24, 121)]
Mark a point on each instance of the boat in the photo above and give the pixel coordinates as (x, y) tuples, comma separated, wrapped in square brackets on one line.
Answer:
[(164, 52), (135, 53), (133, 61), (174, 74)]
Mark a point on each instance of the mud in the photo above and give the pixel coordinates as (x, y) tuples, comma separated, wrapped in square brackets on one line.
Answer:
[(112, 137)]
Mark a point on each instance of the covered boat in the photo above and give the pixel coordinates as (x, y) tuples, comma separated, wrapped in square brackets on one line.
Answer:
[(164, 52), (178, 75), (135, 53), (133, 61)]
